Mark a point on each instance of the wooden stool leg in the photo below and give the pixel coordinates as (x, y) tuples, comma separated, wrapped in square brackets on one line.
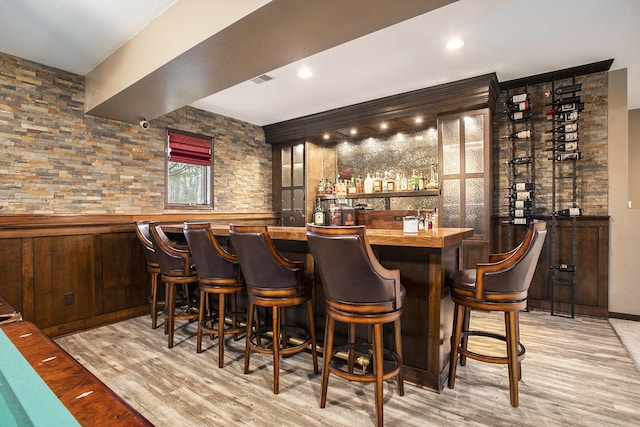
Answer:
[(398, 344), (351, 339), (201, 314), (379, 370), (154, 300), (312, 332), (326, 358), (276, 349), (166, 308), (247, 348), (171, 311), (458, 319), (512, 355), (517, 313), (234, 310), (221, 304), (465, 339)]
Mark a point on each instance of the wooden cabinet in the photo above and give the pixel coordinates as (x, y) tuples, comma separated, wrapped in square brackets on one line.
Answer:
[(465, 180)]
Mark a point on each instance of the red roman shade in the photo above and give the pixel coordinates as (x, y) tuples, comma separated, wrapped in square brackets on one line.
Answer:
[(189, 149)]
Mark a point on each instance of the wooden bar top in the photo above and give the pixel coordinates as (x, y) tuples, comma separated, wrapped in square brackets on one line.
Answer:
[(438, 238)]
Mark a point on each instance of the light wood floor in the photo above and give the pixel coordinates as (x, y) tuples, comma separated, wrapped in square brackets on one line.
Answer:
[(576, 373)]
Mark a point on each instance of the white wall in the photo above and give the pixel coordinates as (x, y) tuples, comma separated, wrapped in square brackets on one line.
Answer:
[(624, 251)]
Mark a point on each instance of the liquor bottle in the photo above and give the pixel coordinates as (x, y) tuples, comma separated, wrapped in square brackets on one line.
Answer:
[(398, 182), (519, 161), (523, 134), (318, 215), (568, 89), (564, 267), (569, 127), (518, 221), (434, 218), (520, 195), (368, 184), (515, 99), (521, 186), (567, 156), (403, 183), (385, 181), (377, 183), (565, 137), (421, 183), (391, 184), (567, 146), (415, 181), (519, 115), (569, 212)]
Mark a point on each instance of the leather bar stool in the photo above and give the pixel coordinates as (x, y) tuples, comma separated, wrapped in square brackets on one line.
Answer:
[(218, 274), (358, 290), (502, 284), (176, 270), (153, 267), (273, 282)]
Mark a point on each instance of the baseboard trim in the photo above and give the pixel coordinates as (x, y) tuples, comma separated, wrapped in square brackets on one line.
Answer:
[(624, 316)]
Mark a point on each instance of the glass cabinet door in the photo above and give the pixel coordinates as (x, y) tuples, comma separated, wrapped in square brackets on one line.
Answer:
[(292, 187), (464, 175)]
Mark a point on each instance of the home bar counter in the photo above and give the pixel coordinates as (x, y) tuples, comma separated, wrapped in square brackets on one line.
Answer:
[(424, 261)]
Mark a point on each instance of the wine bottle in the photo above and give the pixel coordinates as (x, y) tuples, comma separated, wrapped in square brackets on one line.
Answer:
[(518, 213), (318, 215), (519, 161), (518, 106), (515, 99), (523, 134), (520, 195), (564, 108), (567, 156), (521, 204), (569, 212), (519, 115), (569, 100), (568, 146), (569, 127), (564, 267), (571, 116), (568, 89), (518, 221), (565, 137), (521, 186)]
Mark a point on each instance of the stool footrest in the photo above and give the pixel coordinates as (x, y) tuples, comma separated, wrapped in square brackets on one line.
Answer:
[(298, 339), (362, 368), (484, 357)]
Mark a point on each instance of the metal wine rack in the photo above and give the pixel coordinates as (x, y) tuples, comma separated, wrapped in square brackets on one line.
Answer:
[(564, 112)]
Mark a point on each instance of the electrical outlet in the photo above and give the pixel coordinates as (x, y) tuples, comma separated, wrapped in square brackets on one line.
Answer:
[(68, 298)]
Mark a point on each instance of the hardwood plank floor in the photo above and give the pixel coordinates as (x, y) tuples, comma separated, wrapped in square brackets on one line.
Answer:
[(576, 373)]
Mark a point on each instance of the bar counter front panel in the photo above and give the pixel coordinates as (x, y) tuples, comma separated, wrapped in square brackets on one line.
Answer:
[(424, 260)]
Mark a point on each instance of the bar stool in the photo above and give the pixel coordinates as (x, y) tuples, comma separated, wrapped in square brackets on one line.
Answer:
[(176, 271), (502, 284), (275, 282), (218, 274), (153, 267), (358, 291)]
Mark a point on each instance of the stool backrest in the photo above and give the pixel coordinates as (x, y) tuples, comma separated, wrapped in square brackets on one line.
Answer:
[(262, 265), (142, 231), (210, 259), (174, 259), (350, 272), (515, 272)]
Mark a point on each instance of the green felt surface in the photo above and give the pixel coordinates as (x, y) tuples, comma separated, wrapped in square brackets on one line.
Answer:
[(25, 399)]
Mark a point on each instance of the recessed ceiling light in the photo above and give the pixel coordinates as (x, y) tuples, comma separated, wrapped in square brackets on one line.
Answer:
[(353, 131), (384, 126), (305, 73), (455, 44), (418, 120), (326, 136)]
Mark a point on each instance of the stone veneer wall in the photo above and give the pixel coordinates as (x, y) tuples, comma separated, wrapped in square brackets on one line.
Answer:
[(54, 159), (592, 169)]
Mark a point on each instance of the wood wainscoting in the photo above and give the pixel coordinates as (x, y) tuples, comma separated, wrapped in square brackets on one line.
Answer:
[(592, 263), (72, 272)]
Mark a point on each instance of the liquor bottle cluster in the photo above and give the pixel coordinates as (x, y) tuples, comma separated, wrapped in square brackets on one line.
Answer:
[(520, 192)]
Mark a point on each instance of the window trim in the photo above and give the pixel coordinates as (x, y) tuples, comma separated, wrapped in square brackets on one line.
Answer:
[(184, 206)]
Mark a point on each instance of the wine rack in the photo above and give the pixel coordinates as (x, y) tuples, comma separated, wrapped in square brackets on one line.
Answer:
[(563, 114), (520, 166)]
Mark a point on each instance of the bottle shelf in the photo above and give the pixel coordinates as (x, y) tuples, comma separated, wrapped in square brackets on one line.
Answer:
[(382, 195)]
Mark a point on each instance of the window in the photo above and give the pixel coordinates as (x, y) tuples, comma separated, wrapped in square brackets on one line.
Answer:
[(188, 170)]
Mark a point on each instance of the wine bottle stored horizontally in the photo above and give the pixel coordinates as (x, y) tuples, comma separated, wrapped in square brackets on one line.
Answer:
[(569, 212), (519, 115), (521, 186), (568, 89), (570, 116), (567, 100), (515, 99), (564, 267), (567, 156), (518, 213), (520, 195), (567, 146), (518, 221), (523, 134), (569, 127), (520, 204), (518, 106), (565, 137), (564, 108), (519, 161)]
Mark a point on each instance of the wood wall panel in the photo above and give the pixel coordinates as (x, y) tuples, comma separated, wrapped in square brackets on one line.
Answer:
[(11, 272)]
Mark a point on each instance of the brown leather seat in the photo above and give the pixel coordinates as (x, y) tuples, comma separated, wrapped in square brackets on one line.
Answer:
[(276, 282), (358, 291), (176, 270), (502, 284), (218, 273), (153, 267)]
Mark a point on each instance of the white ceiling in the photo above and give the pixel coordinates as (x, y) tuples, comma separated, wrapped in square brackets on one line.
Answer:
[(514, 38)]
